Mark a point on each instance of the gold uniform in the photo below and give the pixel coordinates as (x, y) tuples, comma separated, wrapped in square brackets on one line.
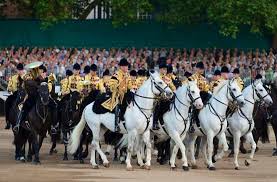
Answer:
[(202, 83), (215, 83), (73, 84), (94, 83), (132, 84), (168, 81), (14, 83), (118, 85)]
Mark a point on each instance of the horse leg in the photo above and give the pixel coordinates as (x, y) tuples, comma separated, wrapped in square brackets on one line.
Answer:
[(65, 142), (147, 141), (222, 144), (191, 146), (36, 149), (197, 143), (132, 135), (54, 144), (249, 138), (236, 141), (274, 127), (95, 143), (210, 138)]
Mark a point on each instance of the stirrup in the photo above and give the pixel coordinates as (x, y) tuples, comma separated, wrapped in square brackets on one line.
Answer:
[(16, 129)]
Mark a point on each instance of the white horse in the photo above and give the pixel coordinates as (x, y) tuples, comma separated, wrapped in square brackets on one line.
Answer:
[(213, 120), (176, 120), (138, 120), (241, 123)]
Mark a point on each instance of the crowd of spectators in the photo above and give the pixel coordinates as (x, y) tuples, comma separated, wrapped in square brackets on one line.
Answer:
[(58, 60)]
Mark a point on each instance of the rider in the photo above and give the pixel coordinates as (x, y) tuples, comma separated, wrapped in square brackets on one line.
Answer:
[(105, 79), (118, 85), (132, 84), (162, 106), (141, 77), (171, 75), (236, 75), (15, 83), (73, 80), (204, 88), (64, 81), (216, 78), (31, 82)]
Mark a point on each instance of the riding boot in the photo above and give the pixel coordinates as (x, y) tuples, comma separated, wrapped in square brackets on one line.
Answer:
[(22, 114), (117, 114), (156, 118)]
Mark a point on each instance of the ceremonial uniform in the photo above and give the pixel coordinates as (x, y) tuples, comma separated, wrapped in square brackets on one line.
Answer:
[(141, 78), (15, 83), (240, 83), (118, 86), (132, 83)]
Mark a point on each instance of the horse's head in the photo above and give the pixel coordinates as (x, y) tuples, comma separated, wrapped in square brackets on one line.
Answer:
[(260, 93), (193, 94), (234, 93), (159, 87), (43, 93), (75, 97)]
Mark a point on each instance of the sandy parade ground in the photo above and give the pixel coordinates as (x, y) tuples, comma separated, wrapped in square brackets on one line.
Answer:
[(53, 168)]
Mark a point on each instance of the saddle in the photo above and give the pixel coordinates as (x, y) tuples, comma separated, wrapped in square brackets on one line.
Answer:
[(97, 106)]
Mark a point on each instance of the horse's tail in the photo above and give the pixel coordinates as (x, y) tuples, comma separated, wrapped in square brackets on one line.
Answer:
[(74, 140)]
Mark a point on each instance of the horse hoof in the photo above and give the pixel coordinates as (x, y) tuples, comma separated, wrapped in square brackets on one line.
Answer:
[(141, 166), (173, 168), (107, 153), (274, 152), (82, 161), (130, 169), (212, 168), (147, 167), (213, 159), (185, 168), (36, 162), (194, 167), (65, 158), (95, 167), (236, 168), (22, 159), (122, 162), (29, 159), (106, 165), (246, 163)]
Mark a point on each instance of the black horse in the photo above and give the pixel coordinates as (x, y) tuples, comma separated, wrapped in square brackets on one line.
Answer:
[(69, 116), (263, 116), (37, 123)]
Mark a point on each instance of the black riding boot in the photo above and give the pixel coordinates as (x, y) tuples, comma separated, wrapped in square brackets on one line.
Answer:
[(21, 116), (156, 118), (117, 114)]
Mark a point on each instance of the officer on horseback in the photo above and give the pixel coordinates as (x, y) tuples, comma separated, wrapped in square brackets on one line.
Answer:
[(31, 82), (163, 106), (73, 84), (64, 82), (15, 83), (141, 77), (204, 88), (236, 75), (118, 86)]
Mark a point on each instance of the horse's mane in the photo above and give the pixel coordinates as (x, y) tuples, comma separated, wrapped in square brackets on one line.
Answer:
[(220, 86)]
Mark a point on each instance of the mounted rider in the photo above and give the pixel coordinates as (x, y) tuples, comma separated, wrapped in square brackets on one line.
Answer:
[(175, 80), (15, 83), (236, 76), (204, 88), (118, 86), (31, 82), (73, 84), (132, 83), (141, 77), (64, 82), (216, 79), (163, 105)]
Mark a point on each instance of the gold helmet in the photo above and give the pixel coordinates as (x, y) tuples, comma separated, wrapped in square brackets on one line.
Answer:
[(34, 68)]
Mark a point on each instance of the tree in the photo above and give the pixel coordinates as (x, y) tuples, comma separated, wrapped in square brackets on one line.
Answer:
[(229, 15)]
